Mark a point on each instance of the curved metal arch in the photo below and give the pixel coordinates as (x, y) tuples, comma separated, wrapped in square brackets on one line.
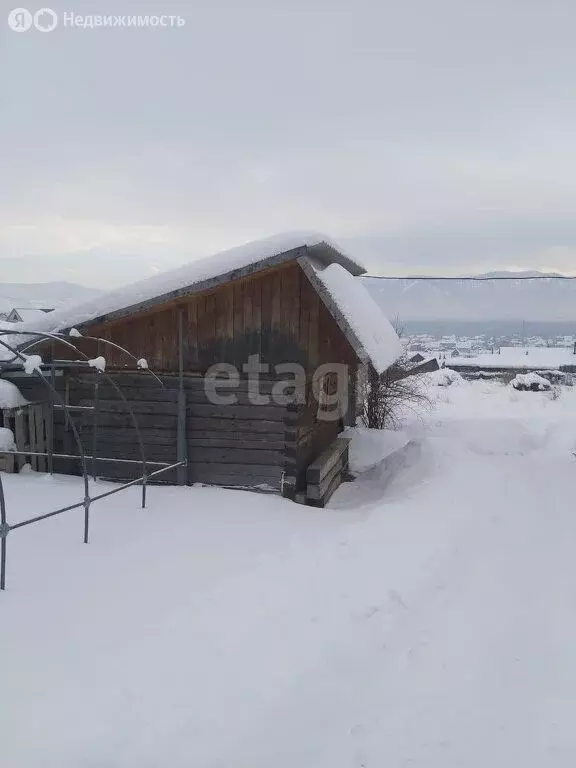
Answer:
[(5, 527), (59, 337), (54, 393), (101, 341)]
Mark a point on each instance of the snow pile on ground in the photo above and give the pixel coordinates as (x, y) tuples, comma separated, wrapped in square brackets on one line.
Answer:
[(430, 624), (10, 396), (530, 381), (369, 447), (445, 377)]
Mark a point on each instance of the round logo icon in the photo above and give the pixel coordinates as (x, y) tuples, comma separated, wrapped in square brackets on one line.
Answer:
[(45, 20), (20, 20)]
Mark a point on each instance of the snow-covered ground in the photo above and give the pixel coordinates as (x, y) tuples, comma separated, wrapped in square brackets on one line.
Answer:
[(428, 622)]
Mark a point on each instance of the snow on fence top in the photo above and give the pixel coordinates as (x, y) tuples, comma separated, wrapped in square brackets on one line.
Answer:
[(366, 327), (194, 277)]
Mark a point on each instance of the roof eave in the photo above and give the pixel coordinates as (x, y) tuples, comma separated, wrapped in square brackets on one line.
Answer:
[(204, 285), (327, 254), (334, 309)]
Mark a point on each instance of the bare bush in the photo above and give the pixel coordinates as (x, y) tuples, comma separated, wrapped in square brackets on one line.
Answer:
[(386, 398)]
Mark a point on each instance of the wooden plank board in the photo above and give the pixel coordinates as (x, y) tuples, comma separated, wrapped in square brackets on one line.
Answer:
[(20, 437), (266, 286), (191, 334), (249, 305), (257, 313), (209, 329), (324, 463), (238, 293), (31, 441), (313, 330), (306, 302), (336, 482), (276, 301), (40, 424), (318, 491)]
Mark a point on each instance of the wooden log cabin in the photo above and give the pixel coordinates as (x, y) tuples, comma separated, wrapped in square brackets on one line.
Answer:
[(279, 303)]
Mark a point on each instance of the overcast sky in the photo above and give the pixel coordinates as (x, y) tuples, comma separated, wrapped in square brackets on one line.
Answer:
[(433, 136)]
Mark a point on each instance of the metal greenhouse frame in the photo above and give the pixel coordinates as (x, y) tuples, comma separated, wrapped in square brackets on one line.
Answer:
[(19, 358)]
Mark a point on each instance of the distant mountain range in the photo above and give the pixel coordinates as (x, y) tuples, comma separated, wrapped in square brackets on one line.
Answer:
[(43, 295), (515, 298)]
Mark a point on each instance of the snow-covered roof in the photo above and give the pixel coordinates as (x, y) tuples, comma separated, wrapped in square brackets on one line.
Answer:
[(29, 314), (197, 276), (330, 270), (360, 318)]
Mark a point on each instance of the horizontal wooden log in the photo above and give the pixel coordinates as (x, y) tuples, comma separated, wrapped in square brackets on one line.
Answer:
[(165, 421), (335, 484), (126, 472), (268, 412), (235, 456), (243, 480), (138, 394), (318, 491), (118, 406), (253, 442), (131, 450), (239, 397), (190, 381), (198, 470), (240, 426), (113, 435), (319, 468)]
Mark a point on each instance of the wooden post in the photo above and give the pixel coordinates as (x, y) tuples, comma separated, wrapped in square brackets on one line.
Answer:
[(50, 420), (95, 420), (20, 435), (182, 472), (8, 459), (39, 425), (32, 436)]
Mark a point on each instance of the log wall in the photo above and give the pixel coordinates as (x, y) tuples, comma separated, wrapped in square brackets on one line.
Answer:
[(276, 314)]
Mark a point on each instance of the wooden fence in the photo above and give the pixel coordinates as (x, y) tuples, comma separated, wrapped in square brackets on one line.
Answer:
[(30, 425)]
